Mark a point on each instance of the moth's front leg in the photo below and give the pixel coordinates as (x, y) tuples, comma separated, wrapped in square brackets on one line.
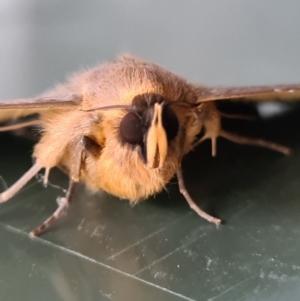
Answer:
[(64, 202), (17, 186), (191, 202), (211, 120), (255, 142)]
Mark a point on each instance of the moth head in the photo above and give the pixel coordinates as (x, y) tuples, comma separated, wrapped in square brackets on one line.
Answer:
[(150, 125), (133, 150)]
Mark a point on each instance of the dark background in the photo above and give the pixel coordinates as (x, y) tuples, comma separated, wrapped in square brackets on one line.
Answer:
[(159, 250)]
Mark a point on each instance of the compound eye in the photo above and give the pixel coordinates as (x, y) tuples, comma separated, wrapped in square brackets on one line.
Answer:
[(170, 123), (131, 129)]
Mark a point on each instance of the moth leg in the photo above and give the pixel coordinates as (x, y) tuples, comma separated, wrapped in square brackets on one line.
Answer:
[(63, 205), (211, 121), (192, 204), (46, 177), (64, 202), (16, 187), (255, 141), (19, 125), (213, 143)]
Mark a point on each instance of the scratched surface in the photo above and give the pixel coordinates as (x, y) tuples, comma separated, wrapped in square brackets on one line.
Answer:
[(104, 249)]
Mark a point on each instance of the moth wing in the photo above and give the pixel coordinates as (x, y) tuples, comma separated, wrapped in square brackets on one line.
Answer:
[(41, 102), (252, 93), (15, 108)]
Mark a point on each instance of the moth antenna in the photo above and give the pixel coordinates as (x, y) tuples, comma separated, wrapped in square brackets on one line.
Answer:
[(16, 187), (255, 141), (127, 107), (19, 125), (183, 103), (191, 202), (107, 108)]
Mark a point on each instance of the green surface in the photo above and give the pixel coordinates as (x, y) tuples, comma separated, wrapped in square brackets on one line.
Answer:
[(104, 249), (160, 249)]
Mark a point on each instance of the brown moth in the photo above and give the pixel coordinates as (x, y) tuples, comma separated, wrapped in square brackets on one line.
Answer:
[(124, 127)]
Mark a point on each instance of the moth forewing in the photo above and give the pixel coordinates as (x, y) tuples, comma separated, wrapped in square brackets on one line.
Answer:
[(67, 101), (16, 108), (251, 93)]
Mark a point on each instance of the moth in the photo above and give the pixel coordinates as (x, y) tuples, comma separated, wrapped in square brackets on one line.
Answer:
[(124, 127)]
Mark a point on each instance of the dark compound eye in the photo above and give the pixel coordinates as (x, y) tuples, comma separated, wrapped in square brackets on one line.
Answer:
[(170, 122), (131, 129)]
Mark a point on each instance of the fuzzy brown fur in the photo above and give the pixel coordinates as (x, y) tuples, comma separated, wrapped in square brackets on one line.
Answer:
[(118, 168)]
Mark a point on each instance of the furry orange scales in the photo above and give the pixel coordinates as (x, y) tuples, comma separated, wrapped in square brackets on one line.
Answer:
[(125, 126)]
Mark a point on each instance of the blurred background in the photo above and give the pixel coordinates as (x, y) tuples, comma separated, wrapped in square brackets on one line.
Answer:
[(106, 250), (215, 42)]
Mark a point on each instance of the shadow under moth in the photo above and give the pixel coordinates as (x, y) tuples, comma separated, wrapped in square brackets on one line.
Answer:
[(124, 127)]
